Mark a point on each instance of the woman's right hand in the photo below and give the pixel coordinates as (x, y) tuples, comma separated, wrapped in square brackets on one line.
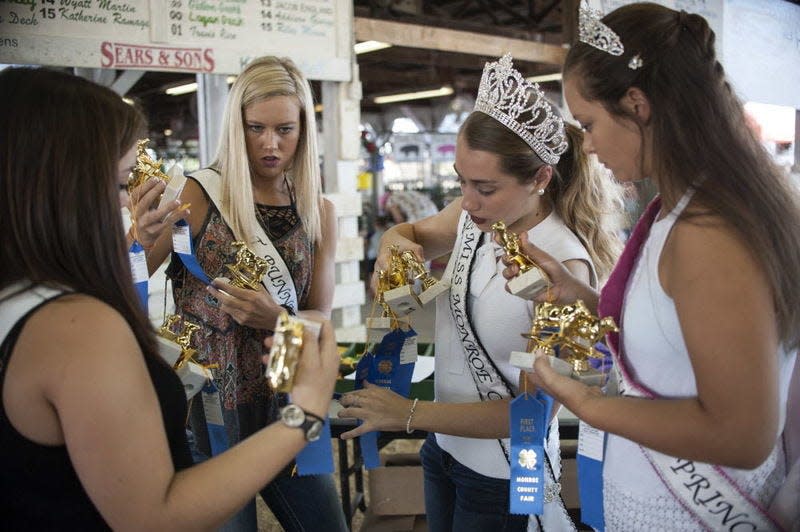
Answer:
[(384, 257), (564, 287), (316, 371)]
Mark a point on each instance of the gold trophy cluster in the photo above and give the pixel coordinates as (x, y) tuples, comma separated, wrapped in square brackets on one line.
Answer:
[(176, 348), (247, 269), (569, 331)]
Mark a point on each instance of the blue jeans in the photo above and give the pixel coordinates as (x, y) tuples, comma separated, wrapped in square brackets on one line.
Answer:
[(300, 504), (458, 498)]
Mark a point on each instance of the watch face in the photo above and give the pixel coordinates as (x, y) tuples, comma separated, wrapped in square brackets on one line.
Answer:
[(293, 415), (314, 431)]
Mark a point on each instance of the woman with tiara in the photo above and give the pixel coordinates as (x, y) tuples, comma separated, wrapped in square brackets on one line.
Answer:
[(518, 163)]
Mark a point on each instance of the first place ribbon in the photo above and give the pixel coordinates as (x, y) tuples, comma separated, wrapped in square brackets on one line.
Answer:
[(182, 245), (591, 442), (139, 271), (384, 368), (528, 428)]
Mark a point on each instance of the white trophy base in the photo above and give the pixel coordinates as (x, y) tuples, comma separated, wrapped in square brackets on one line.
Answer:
[(402, 300), (527, 285), (193, 376), (433, 292), (525, 360), (379, 323)]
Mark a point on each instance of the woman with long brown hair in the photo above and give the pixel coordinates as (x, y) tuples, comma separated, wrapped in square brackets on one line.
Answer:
[(91, 418)]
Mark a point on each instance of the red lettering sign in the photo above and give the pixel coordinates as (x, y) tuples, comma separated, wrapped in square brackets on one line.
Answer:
[(120, 55)]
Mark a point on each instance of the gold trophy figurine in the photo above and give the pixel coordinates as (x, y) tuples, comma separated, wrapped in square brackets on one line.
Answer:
[(248, 269), (574, 331), (285, 353), (145, 167), (431, 287), (531, 279), (400, 296)]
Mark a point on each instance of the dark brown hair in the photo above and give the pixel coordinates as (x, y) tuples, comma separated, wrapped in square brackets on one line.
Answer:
[(584, 197), (699, 137), (61, 139)]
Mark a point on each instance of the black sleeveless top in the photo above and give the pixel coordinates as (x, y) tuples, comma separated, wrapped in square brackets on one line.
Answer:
[(39, 488)]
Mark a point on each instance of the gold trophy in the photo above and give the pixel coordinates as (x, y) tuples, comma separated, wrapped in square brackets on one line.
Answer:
[(531, 279), (400, 296), (145, 167), (431, 288), (285, 353), (574, 331), (248, 269), (177, 350)]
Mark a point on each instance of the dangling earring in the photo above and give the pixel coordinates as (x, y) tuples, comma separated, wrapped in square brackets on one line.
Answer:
[(540, 192)]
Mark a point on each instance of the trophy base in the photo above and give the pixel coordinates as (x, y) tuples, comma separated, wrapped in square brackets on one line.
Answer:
[(525, 360), (193, 377), (433, 292), (169, 351), (402, 300), (528, 284), (590, 377)]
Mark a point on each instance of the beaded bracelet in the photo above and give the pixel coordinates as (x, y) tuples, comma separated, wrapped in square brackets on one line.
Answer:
[(409, 430)]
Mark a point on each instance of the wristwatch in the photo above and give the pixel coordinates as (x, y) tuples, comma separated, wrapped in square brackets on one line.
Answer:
[(295, 417)]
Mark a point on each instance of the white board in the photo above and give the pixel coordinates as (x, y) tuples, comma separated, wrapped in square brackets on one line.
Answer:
[(203, 36)]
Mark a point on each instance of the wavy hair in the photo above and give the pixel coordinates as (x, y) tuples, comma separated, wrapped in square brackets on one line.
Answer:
[(700, 138), (585, 197), (61, 140), (264, 78)]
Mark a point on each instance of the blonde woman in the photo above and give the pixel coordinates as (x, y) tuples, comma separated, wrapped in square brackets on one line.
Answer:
[(264, 189)]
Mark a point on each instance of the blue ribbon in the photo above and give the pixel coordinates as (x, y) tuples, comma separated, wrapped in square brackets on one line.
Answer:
[(139, 271), (590, 477), (217, 435), (183, 247), (316, 458), (528, 429), (382, 367)]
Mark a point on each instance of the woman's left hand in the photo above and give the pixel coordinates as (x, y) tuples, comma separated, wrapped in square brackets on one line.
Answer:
[(150, 220), (251, 308), (377, 407)]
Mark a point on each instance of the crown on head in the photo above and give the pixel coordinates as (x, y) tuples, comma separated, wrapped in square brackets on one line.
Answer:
[(521, 106), (593, 32)]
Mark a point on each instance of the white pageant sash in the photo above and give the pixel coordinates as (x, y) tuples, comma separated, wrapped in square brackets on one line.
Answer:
[(705, 490), (488, 380), (490, 383), (277, 280)]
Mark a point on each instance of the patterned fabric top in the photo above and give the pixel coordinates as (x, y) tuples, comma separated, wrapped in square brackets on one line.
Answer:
[(235, 348)]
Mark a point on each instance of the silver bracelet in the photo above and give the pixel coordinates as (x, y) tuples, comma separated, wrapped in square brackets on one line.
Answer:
[(409, 430)]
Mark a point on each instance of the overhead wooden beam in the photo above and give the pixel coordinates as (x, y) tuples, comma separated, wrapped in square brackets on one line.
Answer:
[(430, 38)]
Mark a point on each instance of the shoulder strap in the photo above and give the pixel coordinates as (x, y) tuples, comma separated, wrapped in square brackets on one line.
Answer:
[(18, 305), (277, 280)]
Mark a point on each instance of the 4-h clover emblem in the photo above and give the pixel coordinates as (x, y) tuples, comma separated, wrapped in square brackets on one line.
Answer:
[(527, 458)]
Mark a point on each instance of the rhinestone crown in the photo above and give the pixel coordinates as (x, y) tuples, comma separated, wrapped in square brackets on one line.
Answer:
[(521, 106), (593, 32)]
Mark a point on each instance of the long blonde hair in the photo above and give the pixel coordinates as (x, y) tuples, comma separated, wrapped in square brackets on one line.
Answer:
[(264, 78), (586, 198)]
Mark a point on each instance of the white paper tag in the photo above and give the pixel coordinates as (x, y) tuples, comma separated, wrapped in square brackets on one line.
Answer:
[(212, 408), (409, 352), (590, 441), (182, 239), (139, 266)]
